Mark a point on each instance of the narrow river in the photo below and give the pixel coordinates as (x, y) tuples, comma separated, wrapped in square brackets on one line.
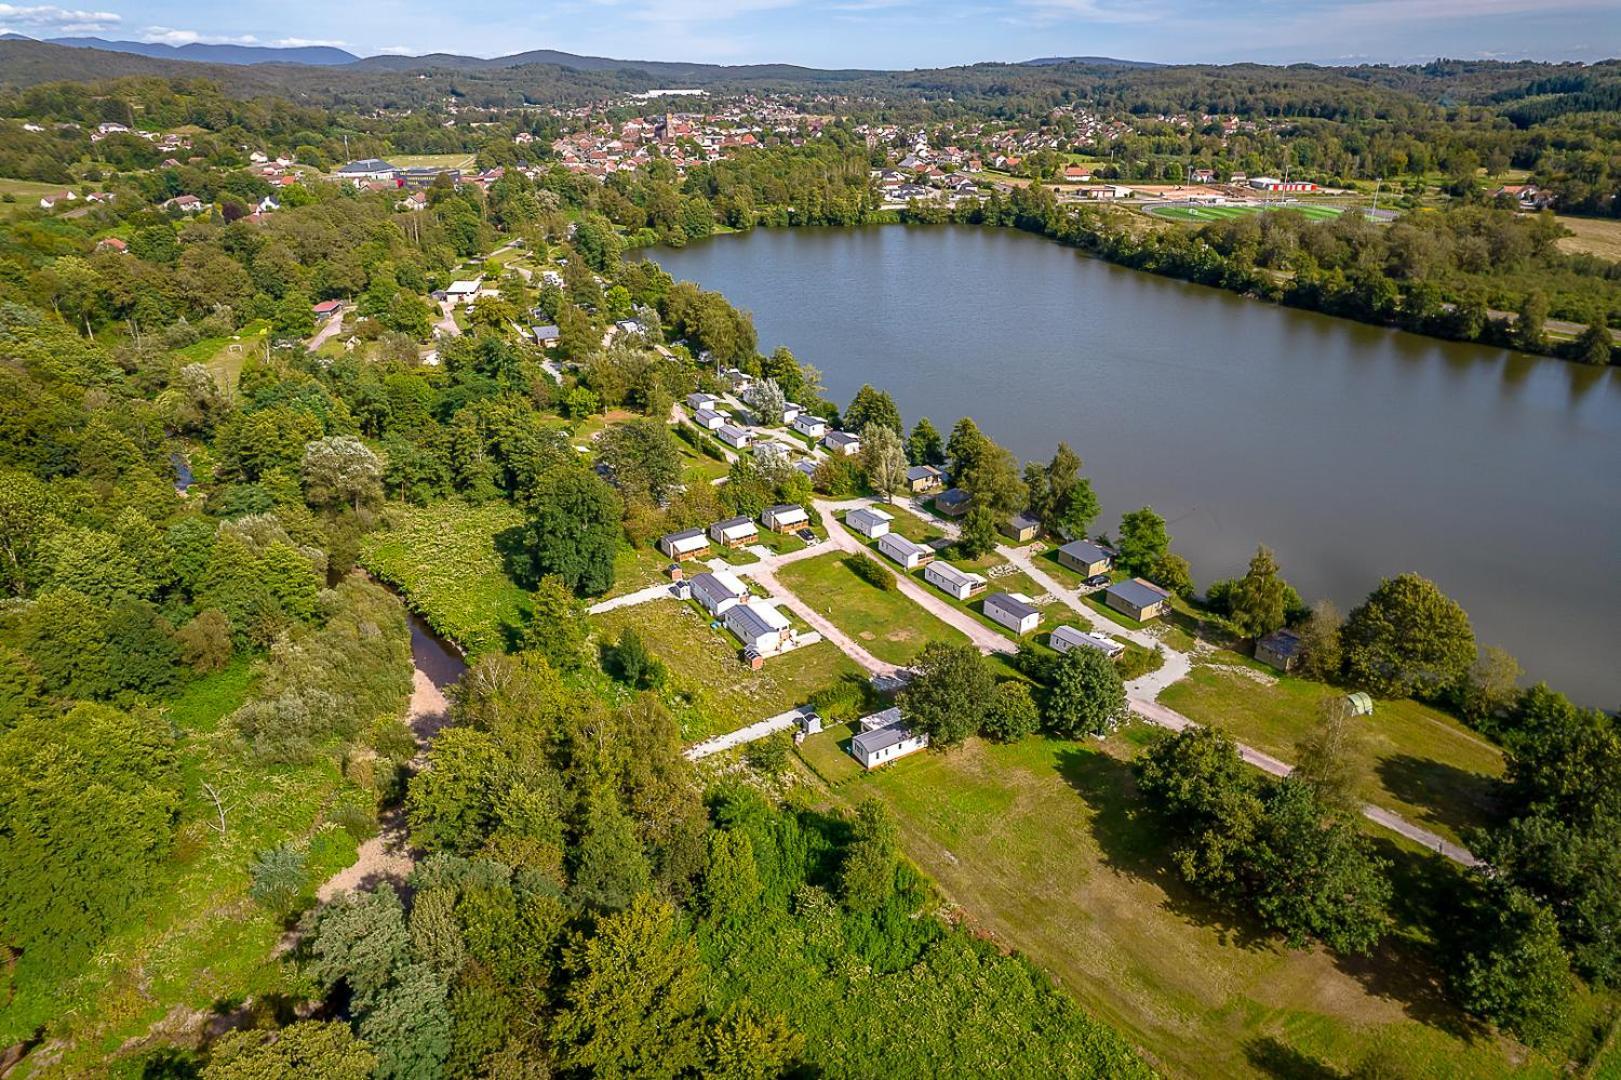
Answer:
[(1355, 452)]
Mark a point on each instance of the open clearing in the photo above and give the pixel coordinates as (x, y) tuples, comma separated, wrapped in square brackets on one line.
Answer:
[(711, 690), (1044, 845), (1591, 236), (887, 624), (1419, 762), (447, 559), (1203, 214), (432, 161)]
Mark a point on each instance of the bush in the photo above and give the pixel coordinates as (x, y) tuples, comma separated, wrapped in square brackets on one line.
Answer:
[(205, 641), (279, 876), (841, 701), (356, 817), (770, 754), (871, 571), (1137, 661)]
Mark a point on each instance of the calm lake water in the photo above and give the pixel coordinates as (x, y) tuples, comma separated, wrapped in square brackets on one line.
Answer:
[(1354, 452)]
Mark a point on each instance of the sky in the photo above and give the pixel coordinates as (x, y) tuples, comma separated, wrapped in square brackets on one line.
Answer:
[(874, 33)]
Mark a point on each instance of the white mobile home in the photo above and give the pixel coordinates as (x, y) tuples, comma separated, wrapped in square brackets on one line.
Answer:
[(951, 581), (687, 544), (909, 554), (760, 627), (785, 517), (884, 738), (719, 592), (710, 419), (1065, 638), (734, 436), (813, 426), (734, 532), (1012, 610), (869, 521)]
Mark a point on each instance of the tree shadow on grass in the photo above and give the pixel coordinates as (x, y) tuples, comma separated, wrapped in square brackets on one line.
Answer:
[(1272, 1057), (1451, 797), (1130, 841), (1407, 966), (515, 561)]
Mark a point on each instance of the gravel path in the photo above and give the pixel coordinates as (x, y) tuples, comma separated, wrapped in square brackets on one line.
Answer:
[(758, 730)]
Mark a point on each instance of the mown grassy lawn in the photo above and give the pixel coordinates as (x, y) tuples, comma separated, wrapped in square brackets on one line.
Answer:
[(886, 623), (635, 568), (828, 756), (447, 560), (911, 526), (1419, 762), (1044, 845), (711, 690), (433, 161)]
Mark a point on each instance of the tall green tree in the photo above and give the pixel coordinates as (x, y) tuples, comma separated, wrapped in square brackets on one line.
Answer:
[(572, 529), (1408, 637), (1142, 542), (924, 446), (1085, 697), (634, 1006), (951, 695), (1258, 601), (872, 406)]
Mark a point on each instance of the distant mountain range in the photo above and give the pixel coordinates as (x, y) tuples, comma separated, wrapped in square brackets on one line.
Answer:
[(327, 56), (312, 55)]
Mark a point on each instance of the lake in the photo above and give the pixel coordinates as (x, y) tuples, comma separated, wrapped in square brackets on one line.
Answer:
[(1354, 452)]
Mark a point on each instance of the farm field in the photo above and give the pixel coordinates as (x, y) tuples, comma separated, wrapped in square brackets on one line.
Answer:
[(446, 559), (1044, 845), (886, 623), (1203, 214), (1418, 762), (25, 194), (711, 691), (1591, 236)]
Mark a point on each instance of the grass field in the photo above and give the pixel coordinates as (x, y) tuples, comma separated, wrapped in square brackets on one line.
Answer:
[(1419, 762), (1592, 236), (437, 161), (26, 194), (711, 691), (888, 625), (447, 561), (1043, 845), (1203, 214)]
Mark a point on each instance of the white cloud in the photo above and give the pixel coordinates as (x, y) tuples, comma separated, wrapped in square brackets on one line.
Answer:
[(308, 43), (166, 35), (49, 18)]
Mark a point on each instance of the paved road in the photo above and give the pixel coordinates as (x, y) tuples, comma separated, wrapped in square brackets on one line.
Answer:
[(660, 591), (765, 573), (758, 730), (446, 326), (329, 329)]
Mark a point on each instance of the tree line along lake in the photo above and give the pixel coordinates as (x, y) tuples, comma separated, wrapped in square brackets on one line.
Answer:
[(1353, 451)]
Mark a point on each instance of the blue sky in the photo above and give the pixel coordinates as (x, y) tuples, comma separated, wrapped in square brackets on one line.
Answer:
[(874, 33)]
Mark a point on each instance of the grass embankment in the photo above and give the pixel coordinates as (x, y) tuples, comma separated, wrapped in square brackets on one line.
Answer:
[(447, 560), (1045, 845), (887, 624), (1418, 762), (711, 690)]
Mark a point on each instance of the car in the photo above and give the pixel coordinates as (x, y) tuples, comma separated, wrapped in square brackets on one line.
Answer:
[(1097, 581), (809, 537)]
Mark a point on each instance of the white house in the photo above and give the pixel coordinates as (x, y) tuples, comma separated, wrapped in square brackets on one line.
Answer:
[(785, 517), (760, 627), (791, 411), (719, 591), (953, 582), (813, 426), (734, 532), (909, 554), (869, 521), (1065, 638), (1012, 610), (884, 738), (701, 401), (463, 292), (709, 419), (734, 436), (687, 544), (842, 442)]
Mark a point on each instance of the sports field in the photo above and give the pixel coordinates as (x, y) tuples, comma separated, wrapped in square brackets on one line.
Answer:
[(1184, 212), (433, 161)]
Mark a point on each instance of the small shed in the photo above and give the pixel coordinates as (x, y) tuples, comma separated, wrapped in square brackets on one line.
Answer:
[(953, 502), (1021, 528), (1281, 649)]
